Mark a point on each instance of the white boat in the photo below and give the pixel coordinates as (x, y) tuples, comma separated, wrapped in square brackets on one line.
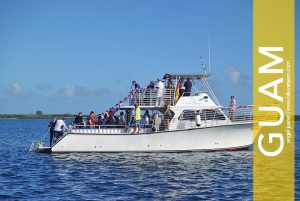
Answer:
[(198, 123)]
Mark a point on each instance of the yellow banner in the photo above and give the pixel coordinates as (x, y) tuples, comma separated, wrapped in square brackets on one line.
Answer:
[(273, 96)]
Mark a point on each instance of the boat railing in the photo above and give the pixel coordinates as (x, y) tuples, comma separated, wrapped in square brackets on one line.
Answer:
[(187, 120), (247, 113), (153, 97), (96, 126), (239, 113), (212, 117), (107, 129)]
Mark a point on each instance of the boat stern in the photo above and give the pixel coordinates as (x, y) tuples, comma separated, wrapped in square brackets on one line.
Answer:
[(38, 146)]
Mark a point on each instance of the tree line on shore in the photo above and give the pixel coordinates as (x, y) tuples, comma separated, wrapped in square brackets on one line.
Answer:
[(38, 115), (35, 116)]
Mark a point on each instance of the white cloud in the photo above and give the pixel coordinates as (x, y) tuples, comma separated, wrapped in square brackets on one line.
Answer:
[(71, 91), (233, 74), (15, 88)]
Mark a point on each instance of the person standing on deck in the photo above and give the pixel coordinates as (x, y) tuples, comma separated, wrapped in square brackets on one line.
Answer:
[(182, 88), (135, 89), (51, 126), (135, 85), (149, 93), (91, 119), (187, 87), (170, 90), (78, 121), (160, 92), (146, 118), (58, 129), (167, 115), (122, 120), (156, 122), (232, 108), (137, 119)]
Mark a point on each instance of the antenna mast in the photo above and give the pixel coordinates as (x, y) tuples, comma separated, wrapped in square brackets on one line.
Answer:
[(208, 53)]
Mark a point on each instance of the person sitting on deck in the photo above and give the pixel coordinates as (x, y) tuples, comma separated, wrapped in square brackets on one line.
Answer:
[(78, 121), (58, 129), (137, 119)]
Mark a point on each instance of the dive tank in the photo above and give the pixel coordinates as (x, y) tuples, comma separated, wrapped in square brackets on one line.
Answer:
[(198, 120)]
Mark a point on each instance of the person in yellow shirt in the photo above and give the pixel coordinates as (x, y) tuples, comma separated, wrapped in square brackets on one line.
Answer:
[(137, 119)]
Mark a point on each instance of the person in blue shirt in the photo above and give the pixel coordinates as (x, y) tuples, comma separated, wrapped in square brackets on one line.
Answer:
[(149, 94), (135, 93), (135, 85)]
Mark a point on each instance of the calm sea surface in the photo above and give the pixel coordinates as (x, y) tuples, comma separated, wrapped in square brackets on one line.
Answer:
[(168, 176)]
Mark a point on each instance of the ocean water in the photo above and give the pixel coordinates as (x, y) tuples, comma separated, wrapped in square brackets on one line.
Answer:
[(146, 176)]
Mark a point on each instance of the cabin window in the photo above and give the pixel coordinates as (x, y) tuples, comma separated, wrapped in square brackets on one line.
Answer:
[(204, 114)]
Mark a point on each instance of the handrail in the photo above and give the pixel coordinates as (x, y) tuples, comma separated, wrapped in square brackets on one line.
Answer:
[(96, 126), (153, 97), (215, 99)]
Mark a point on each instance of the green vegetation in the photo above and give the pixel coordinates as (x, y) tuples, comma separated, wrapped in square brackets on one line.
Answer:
[(39, 112)]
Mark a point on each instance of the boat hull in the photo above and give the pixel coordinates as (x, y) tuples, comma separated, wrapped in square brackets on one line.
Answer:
[(229, 137)]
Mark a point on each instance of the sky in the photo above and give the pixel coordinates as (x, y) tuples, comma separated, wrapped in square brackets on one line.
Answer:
[(73, 55)]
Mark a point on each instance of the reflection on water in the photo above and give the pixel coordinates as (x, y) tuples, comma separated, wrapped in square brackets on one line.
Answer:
[(122, 176)]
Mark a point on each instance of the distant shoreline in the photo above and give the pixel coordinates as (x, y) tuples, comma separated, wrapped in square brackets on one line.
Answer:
[(35, 116)]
